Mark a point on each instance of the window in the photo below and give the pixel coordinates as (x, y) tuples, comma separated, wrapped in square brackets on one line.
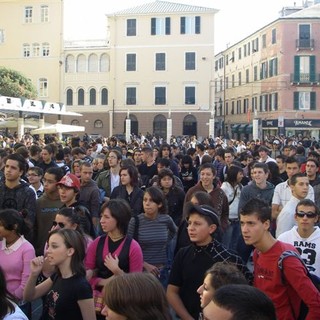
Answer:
[(131, 62), (44, 13), (160, 61), (92, 97), (263, 102), (81, 63), (35, 49), (28, 14), (1, 36), (190, 25), (131, 98), (160, 95), (233, 81), (245, 50), (239, 54), (69, 64), (274, 36), (304, 69), (43, 87), (248, 45), (93, 63), (160, 26), (245, 105), (190, 61), (255, 45), (75, 122), (131, 27), (104, 97), (255, 73), (247, 76), (264, 41), (45, 49), (273, 67), (189, 95), (264, 70), (69, 97), (227, 83), (239, 78), (98, 124), (80, 97), (104, 63), (26, 50), (304, 36), (273, 99), (238, 107), (304, 100)]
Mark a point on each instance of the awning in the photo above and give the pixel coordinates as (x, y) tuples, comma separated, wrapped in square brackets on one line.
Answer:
[(235, 128), (242, 128), (248, 129), (58, 128)]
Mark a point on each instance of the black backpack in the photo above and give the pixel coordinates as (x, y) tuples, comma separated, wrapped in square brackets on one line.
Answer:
[(314, 279)]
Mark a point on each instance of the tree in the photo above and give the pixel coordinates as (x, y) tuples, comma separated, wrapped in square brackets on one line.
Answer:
[(15, 84)]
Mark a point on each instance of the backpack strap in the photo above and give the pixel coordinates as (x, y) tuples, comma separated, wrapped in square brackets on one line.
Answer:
[(286, 254)]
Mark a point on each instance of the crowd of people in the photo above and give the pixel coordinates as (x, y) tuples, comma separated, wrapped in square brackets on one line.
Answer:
[(109, 229)]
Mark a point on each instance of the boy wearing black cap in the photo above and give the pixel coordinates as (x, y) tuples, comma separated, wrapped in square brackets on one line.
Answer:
[(191, 263)]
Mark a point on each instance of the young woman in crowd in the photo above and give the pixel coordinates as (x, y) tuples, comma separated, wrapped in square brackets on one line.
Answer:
[(128, 189), (68, 293), (232, 188), (15, 254), (135, 296), (154, 229), (75, 168), (114, 253), (9, 310)]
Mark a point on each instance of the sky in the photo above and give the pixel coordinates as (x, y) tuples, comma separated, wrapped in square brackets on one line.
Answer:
[(235, 20)]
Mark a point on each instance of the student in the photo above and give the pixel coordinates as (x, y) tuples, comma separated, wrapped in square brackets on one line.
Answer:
[(220, 274), (240, 302), (286, 295), (306, 235), (69, 295), (117, 253), (299, 185), (191, 263), (9, 310), (135, 296)]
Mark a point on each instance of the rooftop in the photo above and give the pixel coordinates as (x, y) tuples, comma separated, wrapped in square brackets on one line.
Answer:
[(164, 7), (310, 12)]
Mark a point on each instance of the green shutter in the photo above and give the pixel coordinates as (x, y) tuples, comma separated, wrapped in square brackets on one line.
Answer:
[(198, 27), (168, 25), (153, 26), (296, 76), (313, 100), (312, 68), (296, 100), (275, 67), (182, 25)]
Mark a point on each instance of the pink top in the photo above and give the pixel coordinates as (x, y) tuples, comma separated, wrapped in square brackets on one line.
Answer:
[(15, 262), (135, 257)]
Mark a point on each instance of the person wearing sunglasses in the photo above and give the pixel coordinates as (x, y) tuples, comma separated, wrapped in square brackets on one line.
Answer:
[(305, 236)]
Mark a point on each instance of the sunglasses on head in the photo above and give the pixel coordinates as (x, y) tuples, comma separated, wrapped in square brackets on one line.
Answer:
[(60, 224), (309, 214)]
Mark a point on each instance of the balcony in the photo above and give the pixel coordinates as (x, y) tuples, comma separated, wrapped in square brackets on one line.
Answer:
[(305, 79), (304, 44)]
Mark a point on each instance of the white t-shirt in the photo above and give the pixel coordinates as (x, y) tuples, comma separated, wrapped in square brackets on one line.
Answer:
[(309, 248), (16, 315)]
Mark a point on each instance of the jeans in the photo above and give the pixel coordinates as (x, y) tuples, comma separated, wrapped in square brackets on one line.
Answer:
[(231, 235)]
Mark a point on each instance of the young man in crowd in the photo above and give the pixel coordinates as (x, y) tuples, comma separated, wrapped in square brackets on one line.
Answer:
[(305, 236), (280, 159), (286, 294), (312, 169), (148, 167), (47, 207), (299, 185), (191, 263), (34, 176)]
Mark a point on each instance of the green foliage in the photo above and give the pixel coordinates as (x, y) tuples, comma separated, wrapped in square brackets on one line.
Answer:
[(14, 84)]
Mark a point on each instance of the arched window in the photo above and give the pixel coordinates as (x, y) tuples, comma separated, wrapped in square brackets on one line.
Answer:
[(98, 124), (93, 97), (93, 63), (189, 125), (75, 122), (26, 50), (160, 126), (104, 97), (81, 97), (81, 63), (69, 97), (104, 63), (69, 64)]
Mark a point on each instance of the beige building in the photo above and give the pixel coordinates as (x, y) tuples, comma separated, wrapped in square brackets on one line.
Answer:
[(268, 83), (154, 74), (31, 41)]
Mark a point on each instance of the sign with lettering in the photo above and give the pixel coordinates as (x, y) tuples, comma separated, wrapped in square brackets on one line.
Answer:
[(269, 123), (302, 123)]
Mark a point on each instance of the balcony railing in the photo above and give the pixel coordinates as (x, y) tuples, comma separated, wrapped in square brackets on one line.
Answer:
[(305, 78), (303, 44)]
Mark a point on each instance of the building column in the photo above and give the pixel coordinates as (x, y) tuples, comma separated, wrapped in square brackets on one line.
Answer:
[(255, 129), (20, 125), (59, 121), (211, 128), (128, 129), (169, 128), (110, 123)]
